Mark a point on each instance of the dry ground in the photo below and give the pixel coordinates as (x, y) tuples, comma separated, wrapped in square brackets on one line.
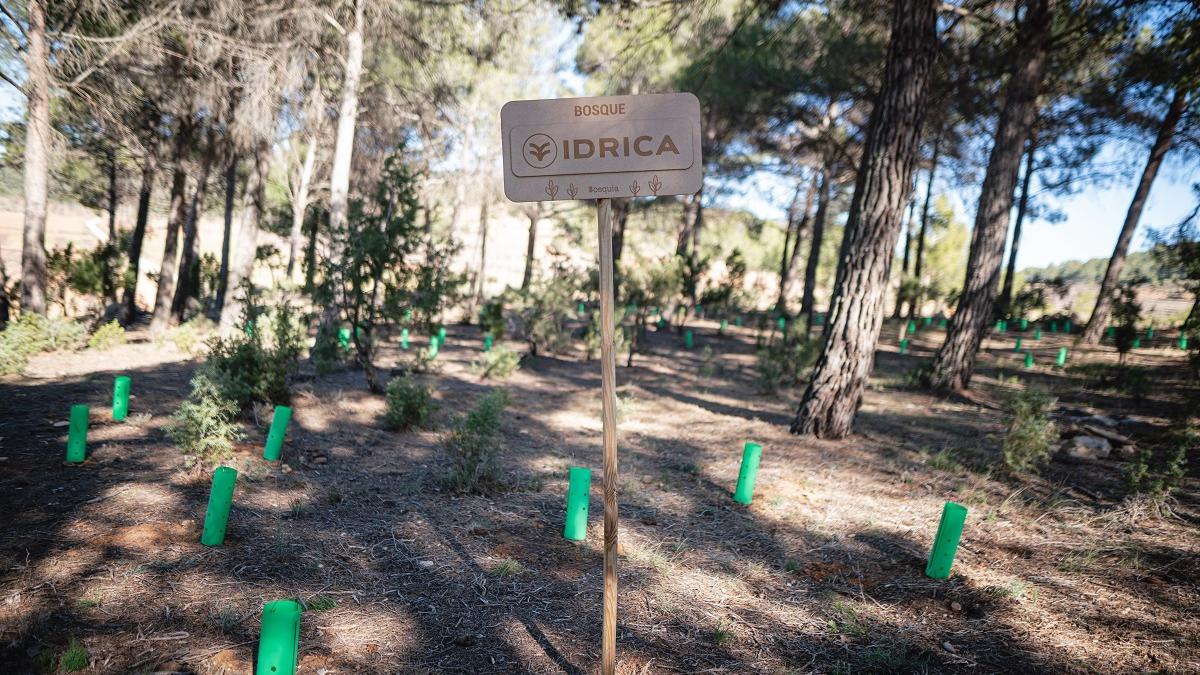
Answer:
[(823, 573)]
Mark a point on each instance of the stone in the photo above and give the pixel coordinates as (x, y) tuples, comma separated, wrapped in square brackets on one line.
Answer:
[(1086, 448)]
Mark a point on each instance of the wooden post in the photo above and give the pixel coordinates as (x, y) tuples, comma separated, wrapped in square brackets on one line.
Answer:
[(608, 385)]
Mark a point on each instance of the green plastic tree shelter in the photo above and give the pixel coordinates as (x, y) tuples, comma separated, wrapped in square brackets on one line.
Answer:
[(404, 338), (751, 455), (279, 639), (487, 343), (1062, 357), (578, 489), (945, 543), (1028, 360), (77, 434), (279, 424), (120, 398), (688, 340), (441, 337), (904, 346), (220, 499), (1017, 344)]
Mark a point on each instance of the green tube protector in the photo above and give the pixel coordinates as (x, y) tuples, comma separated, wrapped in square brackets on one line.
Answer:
[(77, 434), (751, 455), (121, 398), (578, 488), (945, 543), (220, 499), (279, 640), (279, 425)]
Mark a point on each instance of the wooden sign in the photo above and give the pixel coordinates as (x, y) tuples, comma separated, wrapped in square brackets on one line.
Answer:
[(601, 147)]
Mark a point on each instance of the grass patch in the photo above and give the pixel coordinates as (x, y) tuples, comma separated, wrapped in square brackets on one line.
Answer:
[(410, 404), (74, 658), (320, 603), (1031, 434), (507, 568)]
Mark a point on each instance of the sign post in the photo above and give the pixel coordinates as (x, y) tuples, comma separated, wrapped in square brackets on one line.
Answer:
[(599, 148)]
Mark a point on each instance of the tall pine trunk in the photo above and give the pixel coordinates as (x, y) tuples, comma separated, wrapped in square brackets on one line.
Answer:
[(808, 297), (835, 391), (908, 242), (343, 154), (481, 269), (793, 242), (149, 173), (189, 265), (530, 245), (691, 217), (37, 160), (919, 263), (300, 206), (1162, 143), (1004, 305), (955, 361), (231, 170), (241, 268), (168, 270)]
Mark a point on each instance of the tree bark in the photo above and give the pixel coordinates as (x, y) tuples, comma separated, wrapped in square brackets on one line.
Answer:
[(110, 287), (168, 270), (149, 173), (919, 263), (189, 265), (481, 269), (1004, 305), (300, 205), (955, 360), (37, 160), (1162, 143), (908, 242), (241, 268), (691, 214), (808, 297), (230, 202), (534, 216), (835, 390), (620, 216), (793, 241), (343, 154)]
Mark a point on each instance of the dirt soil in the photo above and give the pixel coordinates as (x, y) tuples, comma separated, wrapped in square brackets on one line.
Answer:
[(1057, 572)]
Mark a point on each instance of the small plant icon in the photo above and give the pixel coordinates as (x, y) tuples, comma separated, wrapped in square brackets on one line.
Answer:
[(551, 189), (635, 188), (572, 191), (655, 184)]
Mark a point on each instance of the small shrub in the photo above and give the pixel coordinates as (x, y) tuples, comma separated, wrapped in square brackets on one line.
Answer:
[(1157, 470), (785, 364), (474, 443), (107, 336), (491, 318), (708, 364), (189, 336), (626, 406), (410, 404), (320, 603), (1031, 434), (204, 425), (247, 368), (507, 568), (944, 460), (1130, 380), (499, 363), (74, 658), (32, 334)]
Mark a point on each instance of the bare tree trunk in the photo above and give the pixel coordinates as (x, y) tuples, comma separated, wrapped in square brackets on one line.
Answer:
[(149, 173), (955, 360), (620, 216), (534, 216), (189, 266), (37, 161), (808, 297), (343, 153), (168, 270), (1004, 304), (300, 205), (919, 263), (108, 283), (230, 202), (242, 267), (835, 391), (908, 242), (1162, 143), (481, 269), (797, 227), (691, 214)]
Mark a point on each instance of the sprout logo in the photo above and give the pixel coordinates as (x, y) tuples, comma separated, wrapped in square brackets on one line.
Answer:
[(540, 151)]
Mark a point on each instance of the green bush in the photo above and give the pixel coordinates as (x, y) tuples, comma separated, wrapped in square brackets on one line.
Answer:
[(1157, 470), (498, 363), (544, 310), (491, 317), (474, 443), (1029, 439), (410, 404), (204, 424), (190, 335), (74, 658), (247, 369), (107, 336), (32, 334), (785, 363)]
